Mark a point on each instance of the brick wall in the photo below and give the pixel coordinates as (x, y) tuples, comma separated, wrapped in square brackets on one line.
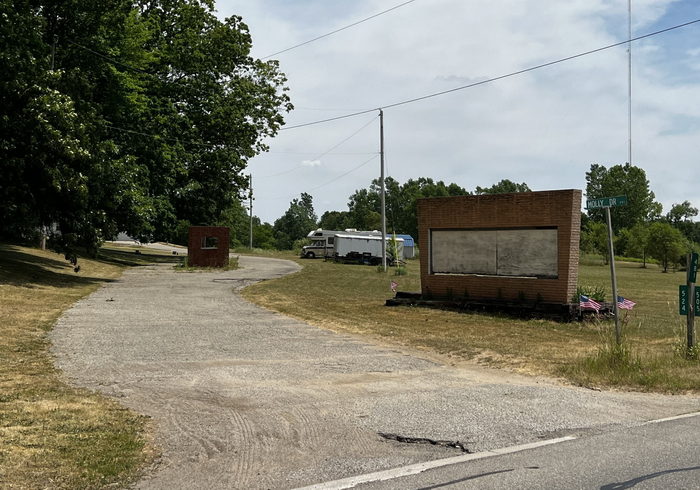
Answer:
[(560, 209), (198, 255)]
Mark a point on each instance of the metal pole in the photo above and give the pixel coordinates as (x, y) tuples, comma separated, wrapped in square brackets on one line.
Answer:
[(618, 335), (250, 196), (381, 184), (691, 308), (629, 81)]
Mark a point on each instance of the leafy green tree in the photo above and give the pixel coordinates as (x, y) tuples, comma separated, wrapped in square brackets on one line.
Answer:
[(237, 219), (145, 123), (503, 187), (364, 210), (263, 235), (681, 212), (666, 244), (594, 239), (334, 220), (364, 206), (680, 217), (638, 242), (618, 180), (296, 223)]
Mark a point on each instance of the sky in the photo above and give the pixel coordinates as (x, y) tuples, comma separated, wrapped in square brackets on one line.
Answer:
[(544, 127)]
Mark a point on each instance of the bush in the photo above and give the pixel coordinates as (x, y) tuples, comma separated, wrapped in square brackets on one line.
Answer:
[(298, 244), (596, 292)]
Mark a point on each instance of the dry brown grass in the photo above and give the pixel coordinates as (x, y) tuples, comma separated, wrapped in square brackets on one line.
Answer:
[(53, 435), (349, 298)]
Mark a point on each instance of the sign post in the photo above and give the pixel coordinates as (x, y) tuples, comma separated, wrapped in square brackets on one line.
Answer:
[(692, 302), (607, 203)]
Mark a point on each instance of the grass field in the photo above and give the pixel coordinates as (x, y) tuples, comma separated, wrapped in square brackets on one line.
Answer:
[(53, 435), (350, 298)]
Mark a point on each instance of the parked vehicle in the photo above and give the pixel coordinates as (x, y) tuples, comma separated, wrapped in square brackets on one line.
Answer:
[(363, 249), (323, 241)]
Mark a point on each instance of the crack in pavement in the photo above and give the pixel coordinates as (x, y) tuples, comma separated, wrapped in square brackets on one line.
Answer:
[(425, 440)]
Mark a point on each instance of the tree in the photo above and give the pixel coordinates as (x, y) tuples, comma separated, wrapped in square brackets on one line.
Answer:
[(296, 223), (236, 217), (404, 198), (636, 241), (401, 203), (680, 217), (334, 220), (503, 187), (594, 239), (146, 122), (666, 244), (626, 180), (681, 212), (263, 235), (364, 210)]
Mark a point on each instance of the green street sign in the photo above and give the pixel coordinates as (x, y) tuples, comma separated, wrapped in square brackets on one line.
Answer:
[(683, 300), (606, 202), (693, 267)]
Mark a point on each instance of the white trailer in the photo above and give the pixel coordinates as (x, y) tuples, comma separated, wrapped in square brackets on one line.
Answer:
[(363, 249), (322, 241)]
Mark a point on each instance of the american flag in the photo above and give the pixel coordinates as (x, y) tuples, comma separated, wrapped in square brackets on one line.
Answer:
[(625, 304), (587, 302), (394, 285)]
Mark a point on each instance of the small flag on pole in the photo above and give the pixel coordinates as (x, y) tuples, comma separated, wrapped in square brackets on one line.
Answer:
[(394, 285), (625, 304), (589, 303)]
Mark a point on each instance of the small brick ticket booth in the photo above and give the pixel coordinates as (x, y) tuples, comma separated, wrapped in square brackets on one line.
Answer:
[(207, 246)]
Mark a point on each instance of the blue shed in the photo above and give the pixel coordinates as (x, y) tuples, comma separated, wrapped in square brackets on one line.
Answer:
[(409, 246)]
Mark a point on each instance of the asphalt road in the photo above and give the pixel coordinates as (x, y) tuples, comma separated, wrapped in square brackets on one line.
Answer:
[(661, 456), (246, 398)]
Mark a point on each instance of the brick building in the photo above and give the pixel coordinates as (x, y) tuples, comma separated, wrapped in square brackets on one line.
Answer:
[(207, 246), (511, 247)]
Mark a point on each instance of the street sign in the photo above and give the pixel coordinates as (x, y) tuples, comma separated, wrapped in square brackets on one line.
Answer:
[(606, 202), (683, 300), (693, 267)]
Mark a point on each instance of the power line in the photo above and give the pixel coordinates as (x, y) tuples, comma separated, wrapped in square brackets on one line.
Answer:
[(325, 152), (156, 136), (329, 182), (343, 175), (338, 30), (112, 60), (315, 152), (494, 79)]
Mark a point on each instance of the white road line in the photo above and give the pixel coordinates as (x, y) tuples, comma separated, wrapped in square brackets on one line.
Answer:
[(414, 469), (668, 419)]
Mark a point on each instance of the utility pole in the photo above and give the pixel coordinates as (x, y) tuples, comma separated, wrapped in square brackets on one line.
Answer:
[(692, 306), (381, 184), (629, 81), (250, 196)]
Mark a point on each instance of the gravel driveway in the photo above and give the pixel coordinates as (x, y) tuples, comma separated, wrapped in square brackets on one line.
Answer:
[(246, 398)]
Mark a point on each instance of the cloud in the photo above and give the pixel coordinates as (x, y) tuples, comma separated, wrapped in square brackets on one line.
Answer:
[(544, 127)]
